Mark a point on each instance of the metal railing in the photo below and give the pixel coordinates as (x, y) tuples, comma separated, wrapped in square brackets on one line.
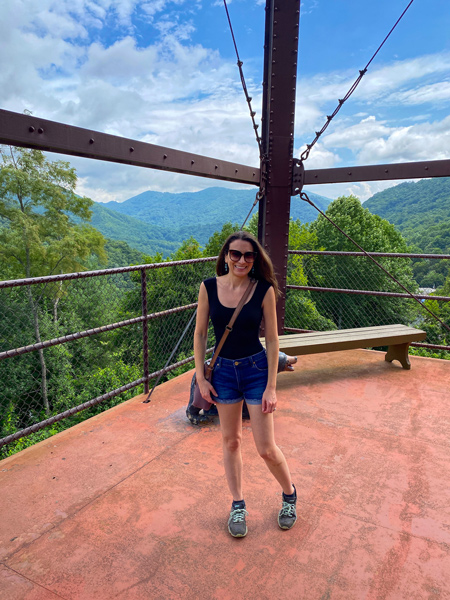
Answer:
[(72, 341), (343, 290), (85, 341)]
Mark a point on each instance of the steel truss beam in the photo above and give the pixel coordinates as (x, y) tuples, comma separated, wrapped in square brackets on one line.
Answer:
[(413, 170), (280, 76), (32, 132)]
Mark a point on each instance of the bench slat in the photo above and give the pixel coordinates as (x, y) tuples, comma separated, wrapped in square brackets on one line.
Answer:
[(350, 339)]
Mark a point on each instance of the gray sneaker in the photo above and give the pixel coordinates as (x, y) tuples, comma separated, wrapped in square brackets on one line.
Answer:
[(236, 523), (287, 515)]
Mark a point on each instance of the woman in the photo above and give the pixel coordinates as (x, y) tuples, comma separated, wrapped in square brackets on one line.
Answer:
[(244, 369)]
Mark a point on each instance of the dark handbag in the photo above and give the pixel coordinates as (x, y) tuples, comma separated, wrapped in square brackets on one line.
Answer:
[(199, 401)]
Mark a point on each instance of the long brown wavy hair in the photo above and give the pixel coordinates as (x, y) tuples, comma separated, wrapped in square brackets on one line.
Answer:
[(263, 265)]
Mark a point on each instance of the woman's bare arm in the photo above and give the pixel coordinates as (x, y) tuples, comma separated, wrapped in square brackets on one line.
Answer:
[(200, 343), (272, 348)]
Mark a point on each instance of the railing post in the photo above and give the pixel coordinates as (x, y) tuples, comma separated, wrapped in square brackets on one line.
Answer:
[(144, 329)]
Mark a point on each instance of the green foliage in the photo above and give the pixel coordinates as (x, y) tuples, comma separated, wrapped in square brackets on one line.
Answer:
[(158, 222), (140, 236), (37, 204), (120, 254), (421, 211), (99, 382), (301, 310), (436, 333), (38, 237), (413, 206), (374, 234), (217, 240)]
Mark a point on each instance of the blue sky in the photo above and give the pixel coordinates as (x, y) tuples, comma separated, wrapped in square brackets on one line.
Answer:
[(164, 71)]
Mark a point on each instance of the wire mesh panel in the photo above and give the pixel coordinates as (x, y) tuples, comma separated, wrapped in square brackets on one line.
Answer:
[(66, 342), (344, 292), (88, 341)]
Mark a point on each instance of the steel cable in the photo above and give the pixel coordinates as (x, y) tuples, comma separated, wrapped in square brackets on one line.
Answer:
[(260, 193), (304, 155)]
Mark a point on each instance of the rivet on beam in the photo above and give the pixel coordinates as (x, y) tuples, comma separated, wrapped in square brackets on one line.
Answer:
[(91, 141), (165, 156), (131, 149), (192, 162), (31, 129), (40, 130)]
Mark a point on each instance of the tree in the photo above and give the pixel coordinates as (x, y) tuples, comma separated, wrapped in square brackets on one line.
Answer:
[(301, 310), (38, 234), (217, 240), (374, 234), (436, 333)]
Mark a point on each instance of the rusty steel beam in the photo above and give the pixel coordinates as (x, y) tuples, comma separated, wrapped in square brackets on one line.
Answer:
[(413, 170), (32, 132), (279, 86)]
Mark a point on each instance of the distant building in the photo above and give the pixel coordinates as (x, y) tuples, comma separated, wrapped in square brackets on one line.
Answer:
[(426, 291)]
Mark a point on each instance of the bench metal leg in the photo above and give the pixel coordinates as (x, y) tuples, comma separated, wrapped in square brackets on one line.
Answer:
[(399, 352)]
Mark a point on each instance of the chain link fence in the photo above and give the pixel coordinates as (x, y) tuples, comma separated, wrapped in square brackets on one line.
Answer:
[(343, 290), (87, 341), (74, 345)]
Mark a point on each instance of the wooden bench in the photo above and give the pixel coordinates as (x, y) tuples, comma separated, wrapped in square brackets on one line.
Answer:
[(396, 337)]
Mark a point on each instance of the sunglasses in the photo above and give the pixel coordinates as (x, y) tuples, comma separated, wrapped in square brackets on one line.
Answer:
[(235, 256)]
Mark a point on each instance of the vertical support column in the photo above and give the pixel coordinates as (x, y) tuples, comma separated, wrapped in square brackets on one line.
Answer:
[(278, 113), (144, 329)]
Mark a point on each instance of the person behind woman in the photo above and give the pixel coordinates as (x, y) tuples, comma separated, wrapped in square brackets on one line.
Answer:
[(244, 369)]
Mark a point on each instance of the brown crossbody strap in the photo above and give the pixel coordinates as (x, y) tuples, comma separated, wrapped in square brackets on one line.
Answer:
[(229, 327)]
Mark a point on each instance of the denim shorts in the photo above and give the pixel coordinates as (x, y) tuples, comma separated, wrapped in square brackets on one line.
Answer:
[(244, 378)]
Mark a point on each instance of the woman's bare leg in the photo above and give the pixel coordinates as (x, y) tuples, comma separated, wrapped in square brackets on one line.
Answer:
[(230, 416), (263, 434)]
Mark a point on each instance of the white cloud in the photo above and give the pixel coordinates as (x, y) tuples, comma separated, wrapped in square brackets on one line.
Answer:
[(356, 136), (374, 141), (435, 93), (170, 91), (381, 82), (319, 158), (424, 141), (363, 190), (380, 85)]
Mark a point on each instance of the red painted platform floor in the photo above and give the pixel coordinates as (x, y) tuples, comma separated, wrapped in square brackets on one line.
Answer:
[(132, 504)]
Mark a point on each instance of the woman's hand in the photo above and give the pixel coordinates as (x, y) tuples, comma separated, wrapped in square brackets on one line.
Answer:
[(269, 400), (207, 391)]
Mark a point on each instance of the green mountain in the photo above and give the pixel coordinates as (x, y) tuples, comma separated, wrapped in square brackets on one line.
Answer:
[(138, 235), (161, 221), (421, 211)]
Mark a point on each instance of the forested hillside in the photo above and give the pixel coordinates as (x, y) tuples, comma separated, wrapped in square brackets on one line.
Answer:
[(421, 211), (414, 205), (137, 234), (160, 221)]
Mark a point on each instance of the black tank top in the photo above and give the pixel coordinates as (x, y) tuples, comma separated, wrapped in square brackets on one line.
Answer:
[(244, 339)]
